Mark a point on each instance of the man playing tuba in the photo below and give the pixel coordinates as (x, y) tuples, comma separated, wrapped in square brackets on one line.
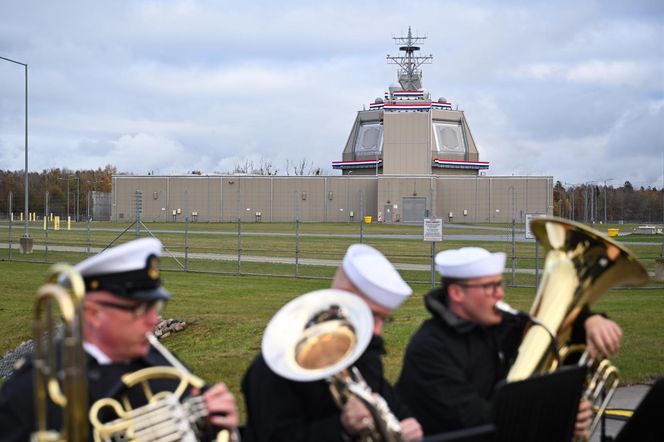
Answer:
[(121, 305), (280, 409), (455, 360)]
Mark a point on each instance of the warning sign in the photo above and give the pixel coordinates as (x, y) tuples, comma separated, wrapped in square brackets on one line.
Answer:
[(433, 230)]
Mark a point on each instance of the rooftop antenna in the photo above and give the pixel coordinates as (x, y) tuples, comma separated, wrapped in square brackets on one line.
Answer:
[(410, 75)]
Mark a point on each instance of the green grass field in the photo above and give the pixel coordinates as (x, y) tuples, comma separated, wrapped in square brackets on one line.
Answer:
[(227, 315)]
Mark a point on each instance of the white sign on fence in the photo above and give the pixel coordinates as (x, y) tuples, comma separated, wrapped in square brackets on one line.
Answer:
[(433, 230), (529, 218)]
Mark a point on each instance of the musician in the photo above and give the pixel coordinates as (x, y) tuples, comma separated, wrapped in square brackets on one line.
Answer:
[(454, 361), (123, 298), (279, 409)]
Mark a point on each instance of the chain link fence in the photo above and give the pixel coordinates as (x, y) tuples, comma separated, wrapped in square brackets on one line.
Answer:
[(295, 249)]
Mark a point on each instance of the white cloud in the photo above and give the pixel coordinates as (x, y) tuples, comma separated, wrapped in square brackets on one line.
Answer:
[(180, 85)]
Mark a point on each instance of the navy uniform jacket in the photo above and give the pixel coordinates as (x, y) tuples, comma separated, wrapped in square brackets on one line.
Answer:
[(451, 367), (282, 410), (17, 415)]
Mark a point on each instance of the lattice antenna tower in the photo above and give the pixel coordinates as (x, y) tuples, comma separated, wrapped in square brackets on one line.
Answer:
[(410, 74)]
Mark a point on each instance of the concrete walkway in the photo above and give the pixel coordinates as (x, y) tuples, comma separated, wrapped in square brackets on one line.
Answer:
[(628, 397)]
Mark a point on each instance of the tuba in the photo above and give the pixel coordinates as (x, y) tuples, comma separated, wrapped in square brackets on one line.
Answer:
[(580, 266), (66, 387), (319, 336)]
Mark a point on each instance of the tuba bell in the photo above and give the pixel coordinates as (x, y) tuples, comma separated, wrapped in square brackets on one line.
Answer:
[(319, 336), (64, 384), (580, 266)]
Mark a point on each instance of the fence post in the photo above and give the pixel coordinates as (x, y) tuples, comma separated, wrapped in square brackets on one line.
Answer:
[(46, 227), (186, 231), (239, 245), (89, 236), (297, 248), (513, 250), (433, 264), (361, 230), (139, 205), (186, 243), (11, 219), (536, 265)]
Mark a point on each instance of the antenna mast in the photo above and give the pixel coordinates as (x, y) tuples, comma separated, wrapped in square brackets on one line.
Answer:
[(410, 75)]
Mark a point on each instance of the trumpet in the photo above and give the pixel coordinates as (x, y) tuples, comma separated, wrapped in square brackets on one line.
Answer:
[(319, 336)]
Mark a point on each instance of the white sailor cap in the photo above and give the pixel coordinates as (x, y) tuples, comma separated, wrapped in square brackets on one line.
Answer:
[(469, 262), (130, 270), (375, 276)]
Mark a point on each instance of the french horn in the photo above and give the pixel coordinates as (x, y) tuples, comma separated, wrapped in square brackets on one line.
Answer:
[(167, 416), (319, 336)]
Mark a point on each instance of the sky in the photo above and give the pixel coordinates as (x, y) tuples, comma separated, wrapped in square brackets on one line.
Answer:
[(572, 89)]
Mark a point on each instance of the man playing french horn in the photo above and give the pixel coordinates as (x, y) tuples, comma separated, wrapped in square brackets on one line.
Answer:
[(123, 296), (455, 360), (284, 404)]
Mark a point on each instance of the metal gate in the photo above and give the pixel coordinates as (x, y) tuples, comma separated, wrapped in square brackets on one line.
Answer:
[(414, 209)]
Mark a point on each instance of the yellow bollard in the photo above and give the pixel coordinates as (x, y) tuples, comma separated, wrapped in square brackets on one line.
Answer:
[(69, 223), (21, 218), (56, 223), (51, 217), (44, 223)]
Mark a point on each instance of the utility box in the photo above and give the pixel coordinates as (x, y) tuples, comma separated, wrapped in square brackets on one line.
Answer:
[(26, 245), (659, 269)]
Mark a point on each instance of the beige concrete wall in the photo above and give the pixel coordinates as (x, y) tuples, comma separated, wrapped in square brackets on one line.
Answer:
[(194, 194), (329, 199), (123, 207), (407, 143), (487, 199), (244, 196)]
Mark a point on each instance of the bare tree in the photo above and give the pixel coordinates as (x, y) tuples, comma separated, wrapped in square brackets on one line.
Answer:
[(264, 167)]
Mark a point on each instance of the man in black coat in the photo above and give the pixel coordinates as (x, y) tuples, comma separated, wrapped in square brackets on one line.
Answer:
[(454, 361), (121, 305), (280, 409)]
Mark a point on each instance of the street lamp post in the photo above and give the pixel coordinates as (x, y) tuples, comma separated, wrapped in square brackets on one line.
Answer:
[(605, 181), (26, 241), (71, 177)]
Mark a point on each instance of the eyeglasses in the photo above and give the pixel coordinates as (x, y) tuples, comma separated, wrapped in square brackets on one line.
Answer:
[(136, 310), (488, 288)]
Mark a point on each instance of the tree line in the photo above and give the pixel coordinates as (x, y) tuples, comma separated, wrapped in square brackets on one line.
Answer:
[(68, 190), (594, 203)]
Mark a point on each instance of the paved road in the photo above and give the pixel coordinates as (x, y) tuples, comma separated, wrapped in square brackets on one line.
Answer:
[(252, 258), (506, 237), (625, 397)]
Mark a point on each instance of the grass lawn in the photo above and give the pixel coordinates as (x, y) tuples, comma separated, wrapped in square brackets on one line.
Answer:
[(227, 316)]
